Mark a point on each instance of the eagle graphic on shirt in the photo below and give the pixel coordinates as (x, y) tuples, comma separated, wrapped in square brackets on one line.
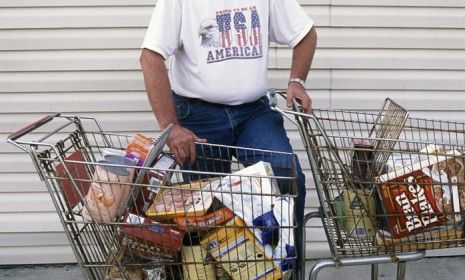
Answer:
[(233, 34), (209, 33)]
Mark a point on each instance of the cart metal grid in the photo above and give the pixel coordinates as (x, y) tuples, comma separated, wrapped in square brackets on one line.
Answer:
[(69, 158), (328, 136)]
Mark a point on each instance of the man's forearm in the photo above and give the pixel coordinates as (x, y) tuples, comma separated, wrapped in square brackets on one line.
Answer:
[(302, 55), (158, 87)]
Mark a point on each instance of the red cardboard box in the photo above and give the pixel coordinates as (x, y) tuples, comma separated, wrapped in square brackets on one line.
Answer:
[(152, 234), (409, 198)]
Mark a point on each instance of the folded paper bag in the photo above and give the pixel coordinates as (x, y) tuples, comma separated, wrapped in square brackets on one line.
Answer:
[(109, 192)]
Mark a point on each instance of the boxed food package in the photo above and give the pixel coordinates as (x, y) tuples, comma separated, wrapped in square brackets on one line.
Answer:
[(196, 264), (234, 247), (452, 172), (220, 273), (192, 199), (151, 239), (139, 147), (204, 222), (159, 175), (250, 193), (76, 169), (438, 238), (262, 175), (419, 196)]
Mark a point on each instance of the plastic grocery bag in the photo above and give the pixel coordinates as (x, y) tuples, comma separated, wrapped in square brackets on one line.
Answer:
[(249, 193), (284, 211)]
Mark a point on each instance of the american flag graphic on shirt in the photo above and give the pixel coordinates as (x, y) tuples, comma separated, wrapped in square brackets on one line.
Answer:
[(241, 29), (233, 34), (256, 37), (224, 26)]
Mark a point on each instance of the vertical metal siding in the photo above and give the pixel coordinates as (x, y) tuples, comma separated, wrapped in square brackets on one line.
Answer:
[(81, 57)]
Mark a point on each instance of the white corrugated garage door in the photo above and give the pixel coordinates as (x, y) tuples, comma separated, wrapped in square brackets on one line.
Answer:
[(81, 57)]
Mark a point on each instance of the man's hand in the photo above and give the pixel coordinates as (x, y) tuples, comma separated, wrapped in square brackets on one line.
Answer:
[(297, 91), (182, 144)]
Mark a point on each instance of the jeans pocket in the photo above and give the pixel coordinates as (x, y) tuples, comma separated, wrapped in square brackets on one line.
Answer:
[(181, 107)]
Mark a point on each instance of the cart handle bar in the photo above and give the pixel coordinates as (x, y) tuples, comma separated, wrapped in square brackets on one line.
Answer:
[(31, 127)]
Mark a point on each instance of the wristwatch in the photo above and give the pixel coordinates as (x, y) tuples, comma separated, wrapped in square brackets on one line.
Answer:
[(296, 80)]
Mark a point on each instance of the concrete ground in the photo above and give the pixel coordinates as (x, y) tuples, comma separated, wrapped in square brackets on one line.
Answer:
[(450, 268)]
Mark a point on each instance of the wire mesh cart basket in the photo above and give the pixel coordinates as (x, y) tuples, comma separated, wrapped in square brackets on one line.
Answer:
[(129, 212), (390, 186)]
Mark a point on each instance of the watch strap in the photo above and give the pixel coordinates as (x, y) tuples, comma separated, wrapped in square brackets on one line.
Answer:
[(296, 80)]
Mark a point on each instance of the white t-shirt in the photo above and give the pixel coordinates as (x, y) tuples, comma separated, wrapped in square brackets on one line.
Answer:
[(219, 48)]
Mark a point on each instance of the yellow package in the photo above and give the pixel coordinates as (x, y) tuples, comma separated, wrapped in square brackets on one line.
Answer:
[(242, 257)]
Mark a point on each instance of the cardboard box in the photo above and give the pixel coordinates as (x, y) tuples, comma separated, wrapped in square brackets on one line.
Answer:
[(410, 196), (242, 257), (77, 171), (204, 222), (159, 175), (434, 239), (196, 265), (182, 200), (151, 238), (139, 147)]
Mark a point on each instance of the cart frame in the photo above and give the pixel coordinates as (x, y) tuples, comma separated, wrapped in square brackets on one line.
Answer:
[(96, 244), (311, 126)]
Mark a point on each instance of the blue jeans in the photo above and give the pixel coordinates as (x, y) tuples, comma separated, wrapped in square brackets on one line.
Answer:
[(252, 125)]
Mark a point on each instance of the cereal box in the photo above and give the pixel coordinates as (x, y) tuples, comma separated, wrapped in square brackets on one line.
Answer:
[(413, 197)]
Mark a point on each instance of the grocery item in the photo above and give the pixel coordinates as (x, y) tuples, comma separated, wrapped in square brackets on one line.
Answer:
[(77, 171), (192, 199), (450, 178), (359, 208), (204, 222), (362, 157), (249, 193), (151, 233), (234, 247), (130, 273), (139, 147), (160, 172), (123, 272), (109, 191), (154, 272), (433, 239), (113, 152), (158, 175), (220, 273), (284, 254), (197, 266), (418, 196), (338, 208)]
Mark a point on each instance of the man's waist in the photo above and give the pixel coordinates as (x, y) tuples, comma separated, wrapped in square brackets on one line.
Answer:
[(261, 100)]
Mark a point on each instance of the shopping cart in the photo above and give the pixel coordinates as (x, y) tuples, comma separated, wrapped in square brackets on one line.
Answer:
[(228, 216), (390, 186)]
